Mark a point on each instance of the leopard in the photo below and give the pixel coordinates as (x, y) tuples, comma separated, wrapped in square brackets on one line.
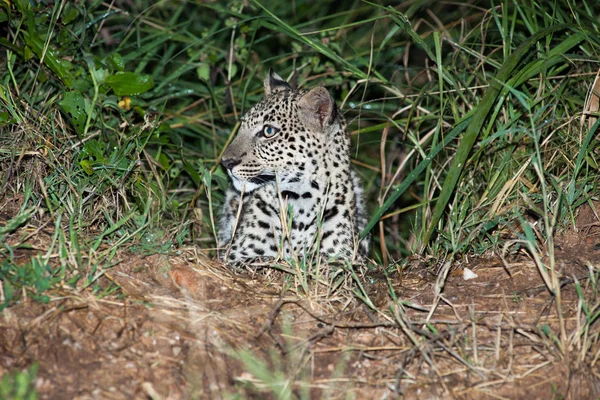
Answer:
[(293, 192)]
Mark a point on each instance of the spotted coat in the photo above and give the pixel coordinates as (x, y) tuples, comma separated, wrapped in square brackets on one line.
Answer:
[(290, 167)]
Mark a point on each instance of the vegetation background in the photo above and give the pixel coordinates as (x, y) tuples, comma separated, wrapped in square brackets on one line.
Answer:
[(474, 127)]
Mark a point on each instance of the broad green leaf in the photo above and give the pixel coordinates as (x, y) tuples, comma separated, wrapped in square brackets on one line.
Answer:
[(116, 61), (47, 56), (74, 107), (87, 167), (203, 72), (94, 149), (129, 83), (69, 14)]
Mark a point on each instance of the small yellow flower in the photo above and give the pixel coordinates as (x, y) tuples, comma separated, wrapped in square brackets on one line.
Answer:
[(125, 103)]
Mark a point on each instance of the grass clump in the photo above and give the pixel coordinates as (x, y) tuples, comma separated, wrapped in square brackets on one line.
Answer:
[(142, 114), (19, 385)]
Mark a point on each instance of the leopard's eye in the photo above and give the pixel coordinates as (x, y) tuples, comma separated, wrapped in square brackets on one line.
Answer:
[(270, 131)]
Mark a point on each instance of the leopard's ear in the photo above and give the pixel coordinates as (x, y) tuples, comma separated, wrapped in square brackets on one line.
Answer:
[(317, 109), (274, 83)]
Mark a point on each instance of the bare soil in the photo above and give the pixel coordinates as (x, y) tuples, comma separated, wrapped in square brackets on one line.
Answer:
[(183, 326)]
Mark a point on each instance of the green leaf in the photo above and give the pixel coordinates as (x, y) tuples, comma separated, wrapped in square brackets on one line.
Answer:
[(129, 83), (203, 72), (4, 117), (27, 53), (16, 222), (116, 61), (87, 167), (22, 5), (189, 168), (74, 107), (100, 75), (5, 43), (46, 54), (69, 14), (95, 150)]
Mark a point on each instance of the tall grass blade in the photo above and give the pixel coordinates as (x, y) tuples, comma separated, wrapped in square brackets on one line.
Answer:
[(476, 123)]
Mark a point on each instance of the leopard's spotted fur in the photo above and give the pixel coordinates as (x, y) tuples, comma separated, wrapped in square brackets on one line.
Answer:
[(290, 162)]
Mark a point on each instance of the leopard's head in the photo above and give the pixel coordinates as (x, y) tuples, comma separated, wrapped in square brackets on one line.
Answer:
[(282, 135)]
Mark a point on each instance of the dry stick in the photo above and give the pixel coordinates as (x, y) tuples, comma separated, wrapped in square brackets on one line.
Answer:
[(438, 338), (474, 332), (498, 340), (406, 329), (285, 233), (542, 288), (312, 339), (506, 190), (439, 285), (353, 325), (35, 232), (511, 333), (101, 25), (419, 345), (557, 285), (399, 321), (462, 360), (151, 162), (384, 252), (458, 317), (211, 215), (237, 218)]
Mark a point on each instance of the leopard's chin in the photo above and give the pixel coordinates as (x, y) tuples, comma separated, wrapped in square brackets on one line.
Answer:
[(250, 185), (262, 179)]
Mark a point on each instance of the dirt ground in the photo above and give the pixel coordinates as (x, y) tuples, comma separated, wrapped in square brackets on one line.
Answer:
[(183, 326)]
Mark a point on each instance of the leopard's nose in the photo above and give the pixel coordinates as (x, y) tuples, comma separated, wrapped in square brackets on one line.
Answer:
[(229, 163)]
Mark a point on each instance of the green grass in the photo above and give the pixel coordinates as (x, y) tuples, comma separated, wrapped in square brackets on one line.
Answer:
[(19, 385), (114, 125), (116, 122), (113, 120)]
